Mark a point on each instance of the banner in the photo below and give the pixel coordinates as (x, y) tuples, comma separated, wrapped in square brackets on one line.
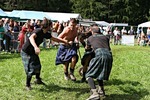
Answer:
[(127, 40)]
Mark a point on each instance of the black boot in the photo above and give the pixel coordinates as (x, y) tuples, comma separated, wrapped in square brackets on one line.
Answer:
[(28, 85), (83, 78), (38, 79)]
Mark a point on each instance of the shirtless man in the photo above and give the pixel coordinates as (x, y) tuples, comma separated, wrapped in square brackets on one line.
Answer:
[(68, 54)]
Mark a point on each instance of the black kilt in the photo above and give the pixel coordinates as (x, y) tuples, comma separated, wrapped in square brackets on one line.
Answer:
[(31, 63)]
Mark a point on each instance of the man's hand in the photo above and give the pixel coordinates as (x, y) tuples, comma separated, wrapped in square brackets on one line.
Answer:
[(71, 42), (37, 50)]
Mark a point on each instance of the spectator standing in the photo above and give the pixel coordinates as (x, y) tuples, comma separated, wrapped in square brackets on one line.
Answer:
[(60, 27), (117, 36), (15, 31), (2, 30), (124, 31), (37, 24), (7, 35), (139, 31), (22, 35), (131, 31), (54, 32), (143, 39), (148, 36)]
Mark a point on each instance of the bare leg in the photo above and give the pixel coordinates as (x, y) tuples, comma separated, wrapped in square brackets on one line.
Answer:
[(73, 62)]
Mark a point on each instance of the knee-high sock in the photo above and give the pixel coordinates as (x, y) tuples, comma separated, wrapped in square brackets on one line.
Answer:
[(38, 76), (91, 83), (71, 71), (28, 80), (100, 82)]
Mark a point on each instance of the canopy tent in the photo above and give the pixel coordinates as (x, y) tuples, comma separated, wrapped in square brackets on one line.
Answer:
[(13, 13), (25, 14), (12, 16), (102, 23), (62, 16), (2, 13), (145, 24), (118, 24), (86, 23)]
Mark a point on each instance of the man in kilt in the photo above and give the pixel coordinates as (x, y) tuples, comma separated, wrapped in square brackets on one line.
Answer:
[(31, 50), (67, 55), (88, 54), (99, 66)]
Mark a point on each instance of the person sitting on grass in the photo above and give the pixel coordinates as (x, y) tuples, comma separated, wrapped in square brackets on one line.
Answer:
[(99, 66), (31, 50)]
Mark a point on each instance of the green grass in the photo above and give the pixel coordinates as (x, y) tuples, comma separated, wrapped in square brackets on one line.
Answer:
[(129, 79)]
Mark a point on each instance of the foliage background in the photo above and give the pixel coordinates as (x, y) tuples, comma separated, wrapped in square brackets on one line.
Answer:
[(133, 12)]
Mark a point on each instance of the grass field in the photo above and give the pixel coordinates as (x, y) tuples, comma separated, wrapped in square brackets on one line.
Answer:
[(129, 79)]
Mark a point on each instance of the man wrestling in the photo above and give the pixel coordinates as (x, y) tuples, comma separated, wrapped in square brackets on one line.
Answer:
[(68, 54)]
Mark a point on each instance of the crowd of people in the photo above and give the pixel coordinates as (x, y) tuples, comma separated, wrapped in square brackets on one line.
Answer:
[(7, 28), (13, 34), (141, 36)]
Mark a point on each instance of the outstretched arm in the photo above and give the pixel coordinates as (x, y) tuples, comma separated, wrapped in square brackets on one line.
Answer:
[(32, 41), (59, 40)]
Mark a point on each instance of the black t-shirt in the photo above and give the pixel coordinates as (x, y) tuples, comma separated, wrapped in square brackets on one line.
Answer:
[(28, 48), (98, 41)]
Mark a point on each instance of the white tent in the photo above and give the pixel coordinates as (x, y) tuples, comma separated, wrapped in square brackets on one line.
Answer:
[(118, 24), (102, 23), (25, 14), (145, 24), (62, 16), (86, 22), (2, 13)]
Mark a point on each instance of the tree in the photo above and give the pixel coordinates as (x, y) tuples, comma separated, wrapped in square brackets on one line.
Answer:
[(91, 9), (128, 11)]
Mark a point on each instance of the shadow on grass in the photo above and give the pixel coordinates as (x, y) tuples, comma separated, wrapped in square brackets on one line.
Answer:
[(120, 82), (4, 56), (132, 90), (56, 88)]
